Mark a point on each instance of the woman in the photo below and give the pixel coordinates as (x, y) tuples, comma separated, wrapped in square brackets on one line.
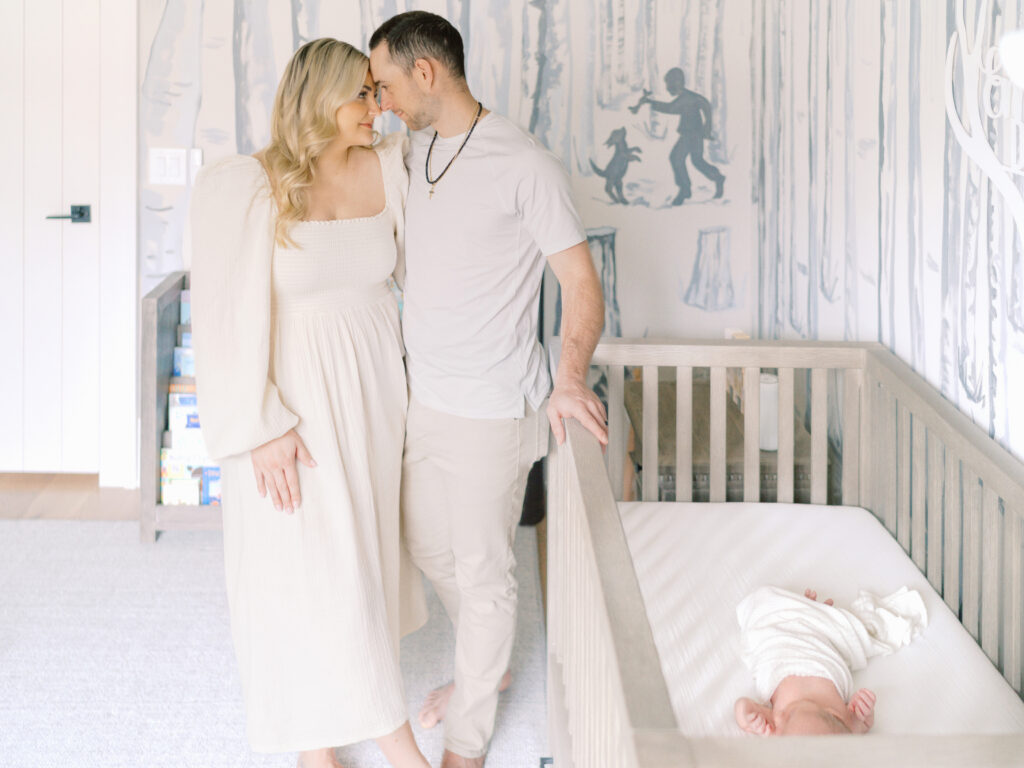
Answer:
[(301, 380)]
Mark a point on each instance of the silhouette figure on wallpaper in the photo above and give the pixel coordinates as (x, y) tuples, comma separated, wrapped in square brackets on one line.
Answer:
[(694, 126), (615, 171)]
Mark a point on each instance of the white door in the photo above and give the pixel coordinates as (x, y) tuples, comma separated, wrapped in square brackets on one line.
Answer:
[(55, 300)]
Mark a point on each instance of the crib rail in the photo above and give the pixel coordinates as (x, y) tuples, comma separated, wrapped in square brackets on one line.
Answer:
[(618, 678), (602, 659), (947, 492), (953, 499), (663, 749), (614, 356)]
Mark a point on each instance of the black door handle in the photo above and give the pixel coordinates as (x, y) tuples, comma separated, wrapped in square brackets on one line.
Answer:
[(80, 214)]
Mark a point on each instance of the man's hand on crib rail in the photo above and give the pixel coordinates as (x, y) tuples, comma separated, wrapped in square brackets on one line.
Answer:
[(572, 400)]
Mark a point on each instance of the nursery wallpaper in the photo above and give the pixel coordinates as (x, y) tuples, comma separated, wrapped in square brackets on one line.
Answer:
[(786, 167), (889, 152), (634, 97)]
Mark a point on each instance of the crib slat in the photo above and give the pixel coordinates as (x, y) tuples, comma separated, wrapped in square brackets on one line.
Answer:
[(853, 381), (869, 442), (872, 493), (684, 433), (751, 434), (1013, 598), (649, 491), (883, 456), (933, 533), (918, 492), (991, 543), (717, 449), (903, 470), (819, 436), (953, 549), (785, 461), (971, 552), (889, 459), (616, 427)]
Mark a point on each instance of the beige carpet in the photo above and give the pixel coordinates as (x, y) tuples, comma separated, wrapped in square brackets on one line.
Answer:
[(115, 654)]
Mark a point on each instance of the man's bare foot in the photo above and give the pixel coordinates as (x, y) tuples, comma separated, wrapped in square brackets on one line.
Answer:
[(436, 704), (451, 760), (318, 758)]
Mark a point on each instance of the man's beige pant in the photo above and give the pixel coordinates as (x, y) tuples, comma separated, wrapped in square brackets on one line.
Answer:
[(463, 482)]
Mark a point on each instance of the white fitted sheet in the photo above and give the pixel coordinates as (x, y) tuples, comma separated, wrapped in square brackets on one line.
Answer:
[(695, 562)]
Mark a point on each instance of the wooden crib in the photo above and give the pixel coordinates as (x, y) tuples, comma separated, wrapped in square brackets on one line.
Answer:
[(950, 495)]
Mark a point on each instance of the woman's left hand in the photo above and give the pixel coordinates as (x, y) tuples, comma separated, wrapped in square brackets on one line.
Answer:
[(275, 466)]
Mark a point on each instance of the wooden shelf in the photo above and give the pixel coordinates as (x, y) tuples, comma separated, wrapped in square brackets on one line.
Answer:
[(161, 311)]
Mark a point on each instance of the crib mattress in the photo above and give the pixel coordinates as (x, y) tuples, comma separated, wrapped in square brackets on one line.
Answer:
[(695, 562)]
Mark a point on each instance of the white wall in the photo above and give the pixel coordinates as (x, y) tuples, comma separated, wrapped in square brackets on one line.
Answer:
[(119, 273)]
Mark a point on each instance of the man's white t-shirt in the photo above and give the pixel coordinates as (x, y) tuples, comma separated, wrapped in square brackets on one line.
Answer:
[(475, 255)]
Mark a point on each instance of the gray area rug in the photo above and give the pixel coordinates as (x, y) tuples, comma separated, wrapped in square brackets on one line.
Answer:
[(115, 654)]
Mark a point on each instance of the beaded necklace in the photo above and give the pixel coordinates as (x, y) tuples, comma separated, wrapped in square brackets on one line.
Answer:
[(426, 166)]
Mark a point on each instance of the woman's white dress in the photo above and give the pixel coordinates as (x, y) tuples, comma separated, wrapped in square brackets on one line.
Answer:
[(307, 337)]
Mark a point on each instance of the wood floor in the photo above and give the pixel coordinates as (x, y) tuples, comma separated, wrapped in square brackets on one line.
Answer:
[(64, 497)]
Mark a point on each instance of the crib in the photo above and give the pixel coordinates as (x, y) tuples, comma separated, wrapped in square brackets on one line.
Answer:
[(950, 496)]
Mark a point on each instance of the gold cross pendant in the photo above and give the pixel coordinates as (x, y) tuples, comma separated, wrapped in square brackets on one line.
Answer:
[(431, 191)]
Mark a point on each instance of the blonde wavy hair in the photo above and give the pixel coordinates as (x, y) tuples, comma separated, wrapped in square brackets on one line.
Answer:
[(321, 76)]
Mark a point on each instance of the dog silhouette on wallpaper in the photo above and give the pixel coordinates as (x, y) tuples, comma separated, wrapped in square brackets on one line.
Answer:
[(694, 127), (615, 171)]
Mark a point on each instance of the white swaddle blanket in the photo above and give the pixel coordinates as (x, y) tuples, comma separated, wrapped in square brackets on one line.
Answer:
[(783, 633)]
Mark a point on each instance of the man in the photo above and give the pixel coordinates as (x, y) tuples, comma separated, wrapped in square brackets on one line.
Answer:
[(694, 126), (487, 204)]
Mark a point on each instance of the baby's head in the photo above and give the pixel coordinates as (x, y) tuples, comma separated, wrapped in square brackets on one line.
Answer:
[(807, 717), (810, 718)]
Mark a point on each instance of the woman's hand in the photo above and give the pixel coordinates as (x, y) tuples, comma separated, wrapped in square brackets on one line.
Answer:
[(275, 466)]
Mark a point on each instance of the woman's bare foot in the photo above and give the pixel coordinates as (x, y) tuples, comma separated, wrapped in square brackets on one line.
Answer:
[(401, 750), (436, 704), (318, 758)]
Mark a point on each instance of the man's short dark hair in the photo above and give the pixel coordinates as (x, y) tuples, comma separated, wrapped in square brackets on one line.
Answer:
[(422, 35)]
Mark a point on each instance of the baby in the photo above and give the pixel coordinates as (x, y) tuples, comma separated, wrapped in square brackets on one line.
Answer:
[(802, 654)]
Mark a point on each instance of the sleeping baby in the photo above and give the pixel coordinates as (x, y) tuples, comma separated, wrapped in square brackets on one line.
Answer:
[(802, 653)]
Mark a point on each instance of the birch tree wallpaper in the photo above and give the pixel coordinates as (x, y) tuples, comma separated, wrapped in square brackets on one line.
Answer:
[(821, 169), (889, 152)]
